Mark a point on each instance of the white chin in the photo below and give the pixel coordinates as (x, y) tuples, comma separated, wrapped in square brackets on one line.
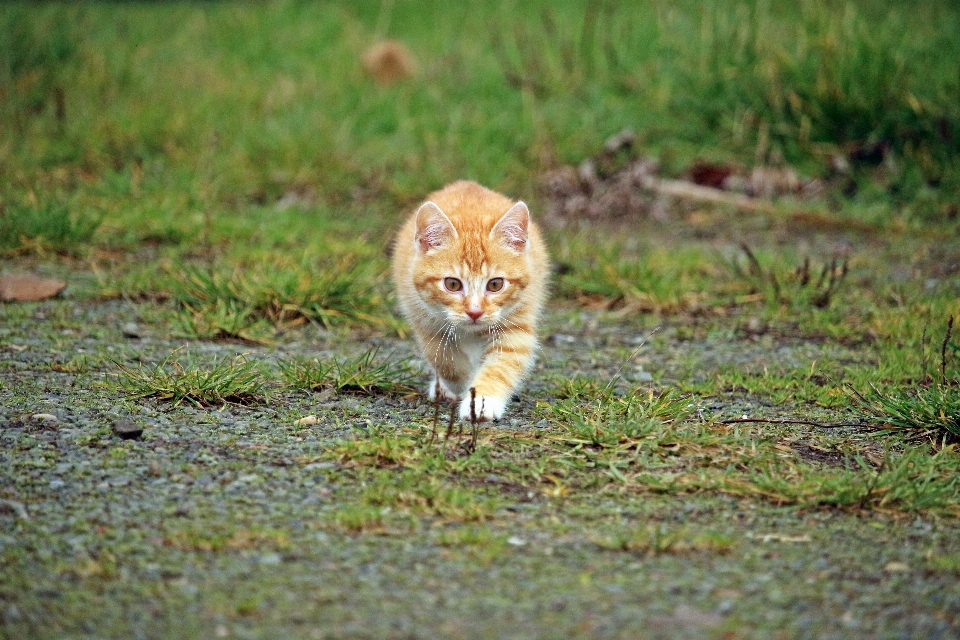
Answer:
[(471, 326)]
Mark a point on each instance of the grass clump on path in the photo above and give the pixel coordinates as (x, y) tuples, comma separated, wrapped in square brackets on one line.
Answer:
[(369, 373), (229, 380), (217, 304), (931, 408)]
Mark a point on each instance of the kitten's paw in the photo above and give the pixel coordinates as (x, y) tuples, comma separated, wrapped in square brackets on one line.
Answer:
[(445, 394), (486, 407)]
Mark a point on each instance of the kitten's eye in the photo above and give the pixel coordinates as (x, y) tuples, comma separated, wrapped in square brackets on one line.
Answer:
[(452, 285), (494, 285)]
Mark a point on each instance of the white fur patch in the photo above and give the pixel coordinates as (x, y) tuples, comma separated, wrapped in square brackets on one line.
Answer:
[(445, 394), (486, 408)]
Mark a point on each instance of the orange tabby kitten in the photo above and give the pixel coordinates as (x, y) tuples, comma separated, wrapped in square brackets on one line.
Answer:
[(470, 270)]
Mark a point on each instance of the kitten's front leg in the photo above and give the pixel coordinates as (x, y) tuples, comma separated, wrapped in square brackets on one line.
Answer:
[(451, 367), (506, 362)]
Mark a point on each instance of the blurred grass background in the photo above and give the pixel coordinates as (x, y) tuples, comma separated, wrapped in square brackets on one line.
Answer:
[(225, 154), (155, 113)]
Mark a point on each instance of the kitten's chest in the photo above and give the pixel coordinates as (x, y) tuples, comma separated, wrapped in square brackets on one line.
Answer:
[(474, 347)]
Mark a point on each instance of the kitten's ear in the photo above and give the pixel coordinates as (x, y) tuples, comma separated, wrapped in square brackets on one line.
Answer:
[(434, 228), (511, 229)]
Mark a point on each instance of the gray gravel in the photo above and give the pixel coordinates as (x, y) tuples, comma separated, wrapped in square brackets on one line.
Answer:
[(90, 519)]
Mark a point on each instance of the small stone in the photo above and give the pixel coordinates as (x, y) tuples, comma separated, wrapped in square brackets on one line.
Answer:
[(127, 430), (515, 541), (28, 287), (12, 614), (45, 417), (57, 484), (896, 567), (131, 330), (307, 420)]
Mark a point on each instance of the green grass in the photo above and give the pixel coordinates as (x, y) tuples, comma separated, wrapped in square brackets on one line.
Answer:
[(252, 120), (261, 196), (930, 410), (654, 540), (228, 172), (47, 227), (803, 286), (242, 303), (369, 373), (634, 279), (930, 407), (230, 380)]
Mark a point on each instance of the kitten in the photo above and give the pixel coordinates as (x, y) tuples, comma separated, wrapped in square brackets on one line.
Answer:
[(471, 272)]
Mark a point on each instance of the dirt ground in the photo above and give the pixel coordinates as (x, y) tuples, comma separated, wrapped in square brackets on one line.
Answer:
[(215, 522)]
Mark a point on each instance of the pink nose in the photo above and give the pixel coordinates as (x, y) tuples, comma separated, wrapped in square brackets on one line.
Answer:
[(474, 314)]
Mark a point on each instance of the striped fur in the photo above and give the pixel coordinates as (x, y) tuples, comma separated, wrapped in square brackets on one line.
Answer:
[(479, 335)]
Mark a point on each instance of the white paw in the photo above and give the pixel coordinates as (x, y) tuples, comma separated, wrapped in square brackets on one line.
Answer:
[(445, 394), (486, 408)]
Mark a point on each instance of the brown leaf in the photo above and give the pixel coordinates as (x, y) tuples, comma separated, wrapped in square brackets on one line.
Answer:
[(389, 61), (28, 287)]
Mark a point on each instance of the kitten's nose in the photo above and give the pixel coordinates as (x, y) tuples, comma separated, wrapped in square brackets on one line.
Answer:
[(474, 314)]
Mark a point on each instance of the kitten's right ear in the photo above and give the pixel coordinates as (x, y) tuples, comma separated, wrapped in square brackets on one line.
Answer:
[(434, 228)]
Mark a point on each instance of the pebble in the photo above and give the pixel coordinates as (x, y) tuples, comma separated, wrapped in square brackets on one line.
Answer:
[(127, 429), (515, 541), (131, 330), (307, 420), (12, 614), (45, 417)]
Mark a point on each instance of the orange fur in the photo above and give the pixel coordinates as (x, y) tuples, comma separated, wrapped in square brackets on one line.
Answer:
[(481, 335)]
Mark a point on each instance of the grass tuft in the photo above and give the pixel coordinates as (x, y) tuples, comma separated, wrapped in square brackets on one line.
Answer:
[(242, 304), (602, 419), (230, 380), (657, 540), (802, 287), (39, 227), (366, 374), (423, 494), (655, 281), (931, 408)]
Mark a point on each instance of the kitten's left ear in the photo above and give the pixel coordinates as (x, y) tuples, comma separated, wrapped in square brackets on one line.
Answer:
[(511, 229), (434, 228)]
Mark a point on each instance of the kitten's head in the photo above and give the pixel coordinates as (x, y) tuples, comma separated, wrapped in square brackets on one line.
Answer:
[(474, 273)]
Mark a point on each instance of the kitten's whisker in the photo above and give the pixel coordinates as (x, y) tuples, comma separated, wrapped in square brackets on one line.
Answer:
[(511, 322)]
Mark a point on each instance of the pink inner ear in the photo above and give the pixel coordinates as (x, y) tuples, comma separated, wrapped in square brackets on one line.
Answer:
[(511, 229), (434, 228)]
